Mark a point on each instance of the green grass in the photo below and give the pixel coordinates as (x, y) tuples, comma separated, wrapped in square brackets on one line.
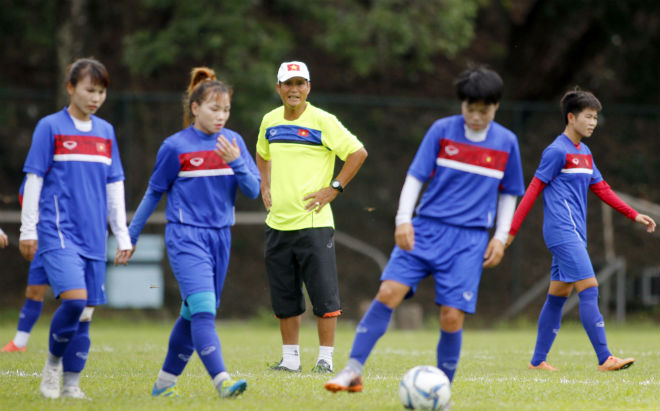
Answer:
[(492, 374)]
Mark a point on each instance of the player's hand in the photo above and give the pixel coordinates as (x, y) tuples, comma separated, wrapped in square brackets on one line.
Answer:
[(319, 199), (404, 236), (122, 256), (4, 240), (509, 241), (265, 196), (28, 248), (228, 151), (647, 221), (494, 253)]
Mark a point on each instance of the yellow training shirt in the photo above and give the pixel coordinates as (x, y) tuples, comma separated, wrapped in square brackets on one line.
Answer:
[(302, 155)]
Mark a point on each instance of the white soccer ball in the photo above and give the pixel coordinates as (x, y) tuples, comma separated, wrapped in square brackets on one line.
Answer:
[(425, 388)]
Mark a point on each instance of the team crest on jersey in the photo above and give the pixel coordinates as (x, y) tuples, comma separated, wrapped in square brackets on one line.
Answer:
[(100, 147), (69, 145), (451, 150), (273, 132), (293, 67), (196, 161), (575, 161), (303, 133)]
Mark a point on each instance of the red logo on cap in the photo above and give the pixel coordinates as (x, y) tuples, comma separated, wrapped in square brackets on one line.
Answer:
[(293, 67), (302, 132)]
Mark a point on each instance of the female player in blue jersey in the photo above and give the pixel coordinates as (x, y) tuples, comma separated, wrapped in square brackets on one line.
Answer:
[(200, 168), (567, 171), (74, 188), (472, 167)]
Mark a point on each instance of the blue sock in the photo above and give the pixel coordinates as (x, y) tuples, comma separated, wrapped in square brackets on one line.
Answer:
[(372, 326), (449, 350), (548, 327), (29, 314), (180, 347), (207, 343), (592, 321), (64, 325), (76, 353)]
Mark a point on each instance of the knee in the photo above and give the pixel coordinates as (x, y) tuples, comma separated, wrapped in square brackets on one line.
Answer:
[(389, 295), (451, 319), (35, 292)]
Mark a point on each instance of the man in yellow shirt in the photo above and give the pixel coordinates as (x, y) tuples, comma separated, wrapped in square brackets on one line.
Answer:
[(296, 152)]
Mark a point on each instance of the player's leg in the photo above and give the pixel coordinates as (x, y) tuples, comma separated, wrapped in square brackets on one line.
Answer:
[(594, 325), (34, 301), (287, 299), (315, 252), (180, 349), (457, 266), (77, 352), (372, 326), (66, 275), (199, 260), (549, 320), (75, 356), (449, 346)]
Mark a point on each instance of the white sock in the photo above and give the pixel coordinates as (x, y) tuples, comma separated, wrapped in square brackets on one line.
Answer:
[(291, 356), (325, 353), (218, 379), (70, 379), (21, 339), (165, 379), (355, 366)]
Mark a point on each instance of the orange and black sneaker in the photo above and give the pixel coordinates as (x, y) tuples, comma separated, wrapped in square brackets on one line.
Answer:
[(345, 380), (11, 347), (615, 364), (543, 366)]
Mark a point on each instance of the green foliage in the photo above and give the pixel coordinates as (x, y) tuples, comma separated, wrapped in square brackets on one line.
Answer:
[(492, 375), (383, 35)]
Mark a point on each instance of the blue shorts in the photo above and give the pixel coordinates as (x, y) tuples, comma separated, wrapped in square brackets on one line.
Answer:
[(37, 273), (199, 257), (453, 255), (68, 270), (570, 263)]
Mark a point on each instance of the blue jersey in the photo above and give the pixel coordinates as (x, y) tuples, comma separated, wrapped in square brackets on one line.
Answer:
[(75, 166), (568, 172), (465, 177), (200, 186)]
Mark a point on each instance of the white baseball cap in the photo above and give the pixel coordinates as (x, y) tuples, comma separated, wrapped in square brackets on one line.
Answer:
[(290, 69)]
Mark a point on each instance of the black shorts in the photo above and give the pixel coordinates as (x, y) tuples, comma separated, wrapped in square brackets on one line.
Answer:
[(302, 256)]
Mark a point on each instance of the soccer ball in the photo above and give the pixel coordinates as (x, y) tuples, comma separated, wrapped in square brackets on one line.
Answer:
[(425, 388)]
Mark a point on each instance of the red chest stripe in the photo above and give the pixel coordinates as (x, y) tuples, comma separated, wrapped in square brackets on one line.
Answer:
[(86, 145), (473, 155), (201, 160), (578, 161)]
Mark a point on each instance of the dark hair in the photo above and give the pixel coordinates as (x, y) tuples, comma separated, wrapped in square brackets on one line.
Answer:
[(202, 83), (576, 100), (479, 84), (88, 67)]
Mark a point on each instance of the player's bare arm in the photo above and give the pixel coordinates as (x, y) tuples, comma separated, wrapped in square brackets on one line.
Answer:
[(4, 240), (264, 170), (317, 200)]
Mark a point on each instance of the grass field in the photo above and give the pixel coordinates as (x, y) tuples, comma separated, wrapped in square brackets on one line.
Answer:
[(492, 374)]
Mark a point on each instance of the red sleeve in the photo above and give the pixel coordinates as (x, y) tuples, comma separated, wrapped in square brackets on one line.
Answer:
[(609, 197), (533, 190)]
